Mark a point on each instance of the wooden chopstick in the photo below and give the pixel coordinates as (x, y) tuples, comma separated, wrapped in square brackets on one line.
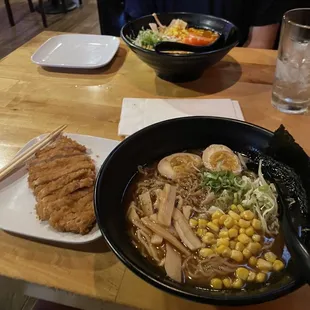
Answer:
[(29, 152)]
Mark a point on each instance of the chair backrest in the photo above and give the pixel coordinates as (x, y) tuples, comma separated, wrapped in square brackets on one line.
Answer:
[(111, 16)]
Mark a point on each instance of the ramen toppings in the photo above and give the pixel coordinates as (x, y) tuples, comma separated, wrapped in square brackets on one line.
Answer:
[(177, 31), (206, 220)]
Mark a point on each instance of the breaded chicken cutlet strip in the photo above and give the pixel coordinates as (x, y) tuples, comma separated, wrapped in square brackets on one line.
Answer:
[(62, 177), (44, 210), (55, 174), (44, 190), (69, 188), (74, 220), (61, 142), (69, 153), (37, 171), (60, 148)]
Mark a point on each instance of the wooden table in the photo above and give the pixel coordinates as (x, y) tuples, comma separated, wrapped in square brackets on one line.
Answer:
[(35, 100)]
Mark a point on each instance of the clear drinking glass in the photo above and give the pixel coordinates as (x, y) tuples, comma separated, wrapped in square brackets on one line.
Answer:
[(291, 87)]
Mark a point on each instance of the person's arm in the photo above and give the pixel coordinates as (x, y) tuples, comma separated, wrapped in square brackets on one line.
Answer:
[(262, 36), (265, 19)]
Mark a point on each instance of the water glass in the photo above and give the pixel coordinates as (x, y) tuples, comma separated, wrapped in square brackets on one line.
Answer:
[(291, 88)]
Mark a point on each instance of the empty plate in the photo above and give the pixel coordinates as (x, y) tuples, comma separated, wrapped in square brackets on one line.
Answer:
[(80, 51)]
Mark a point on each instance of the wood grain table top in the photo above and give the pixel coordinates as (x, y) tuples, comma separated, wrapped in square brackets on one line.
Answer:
[(34, 100)]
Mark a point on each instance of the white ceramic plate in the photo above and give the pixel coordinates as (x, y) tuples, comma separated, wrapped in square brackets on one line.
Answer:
[(81, 51), (17, 207)]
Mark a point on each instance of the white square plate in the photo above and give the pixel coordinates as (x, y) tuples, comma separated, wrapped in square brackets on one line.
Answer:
[(17, 208), (80, 51)]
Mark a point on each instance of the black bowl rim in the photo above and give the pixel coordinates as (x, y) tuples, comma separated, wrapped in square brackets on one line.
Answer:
[(228, 300), (129, 43)]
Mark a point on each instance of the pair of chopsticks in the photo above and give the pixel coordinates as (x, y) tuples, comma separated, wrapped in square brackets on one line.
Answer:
[(21, 158)]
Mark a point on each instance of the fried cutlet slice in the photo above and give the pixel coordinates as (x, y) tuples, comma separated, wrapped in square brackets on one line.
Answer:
[(59, 151), (44, 190), (57, 173), (69, 188), (76, 221), (62, 142), (78, 217), (44, 168), (45, 209), (58, 155)]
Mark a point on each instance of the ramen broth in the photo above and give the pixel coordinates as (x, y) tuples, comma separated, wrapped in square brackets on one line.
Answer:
[(197, 222)]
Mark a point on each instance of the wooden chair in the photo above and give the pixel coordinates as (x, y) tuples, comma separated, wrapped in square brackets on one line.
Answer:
[(31, 8)]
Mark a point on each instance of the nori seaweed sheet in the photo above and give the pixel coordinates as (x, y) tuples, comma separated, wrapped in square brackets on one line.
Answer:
[(287, 164)]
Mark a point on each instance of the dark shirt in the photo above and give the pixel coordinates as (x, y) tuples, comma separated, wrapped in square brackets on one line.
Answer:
[(242, 13)]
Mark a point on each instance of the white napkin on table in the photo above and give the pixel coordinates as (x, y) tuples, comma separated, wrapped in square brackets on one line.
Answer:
[(138, 113)]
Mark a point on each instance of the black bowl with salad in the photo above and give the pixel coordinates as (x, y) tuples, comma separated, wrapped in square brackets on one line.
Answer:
[(180, 46)]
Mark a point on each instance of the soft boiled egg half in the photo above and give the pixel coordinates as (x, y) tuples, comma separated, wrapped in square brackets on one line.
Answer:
[(218, 157), (176, 165)]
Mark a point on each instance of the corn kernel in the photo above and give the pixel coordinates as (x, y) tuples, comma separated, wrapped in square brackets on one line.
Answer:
[(278, 265), (246, 253), (229, 222), (249, 231), (213, 227), (236, 227), (257, 225), (208, 238), (240, 208), (193, 223), (222, 241), (223, 234), (243, 238), (242, 273), (222, 219), (237, 283), (232, 244), (236, 256), (252, 261), (239, 246), (256, 238), (244, 224), (270, 257), (261, 277), (220, 249), (251, 276), (202, 223), (217, 214), (234, 215), (201, 232), (242, 231), (232, 233), (227, 282), (216, 222), (216, 283), (205, 252), (263, 265), (254, 247), (233, 208), (247, 215), (227, 253)]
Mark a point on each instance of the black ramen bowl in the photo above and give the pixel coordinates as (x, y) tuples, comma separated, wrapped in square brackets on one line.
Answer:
[(153, 143), (182, 67)]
